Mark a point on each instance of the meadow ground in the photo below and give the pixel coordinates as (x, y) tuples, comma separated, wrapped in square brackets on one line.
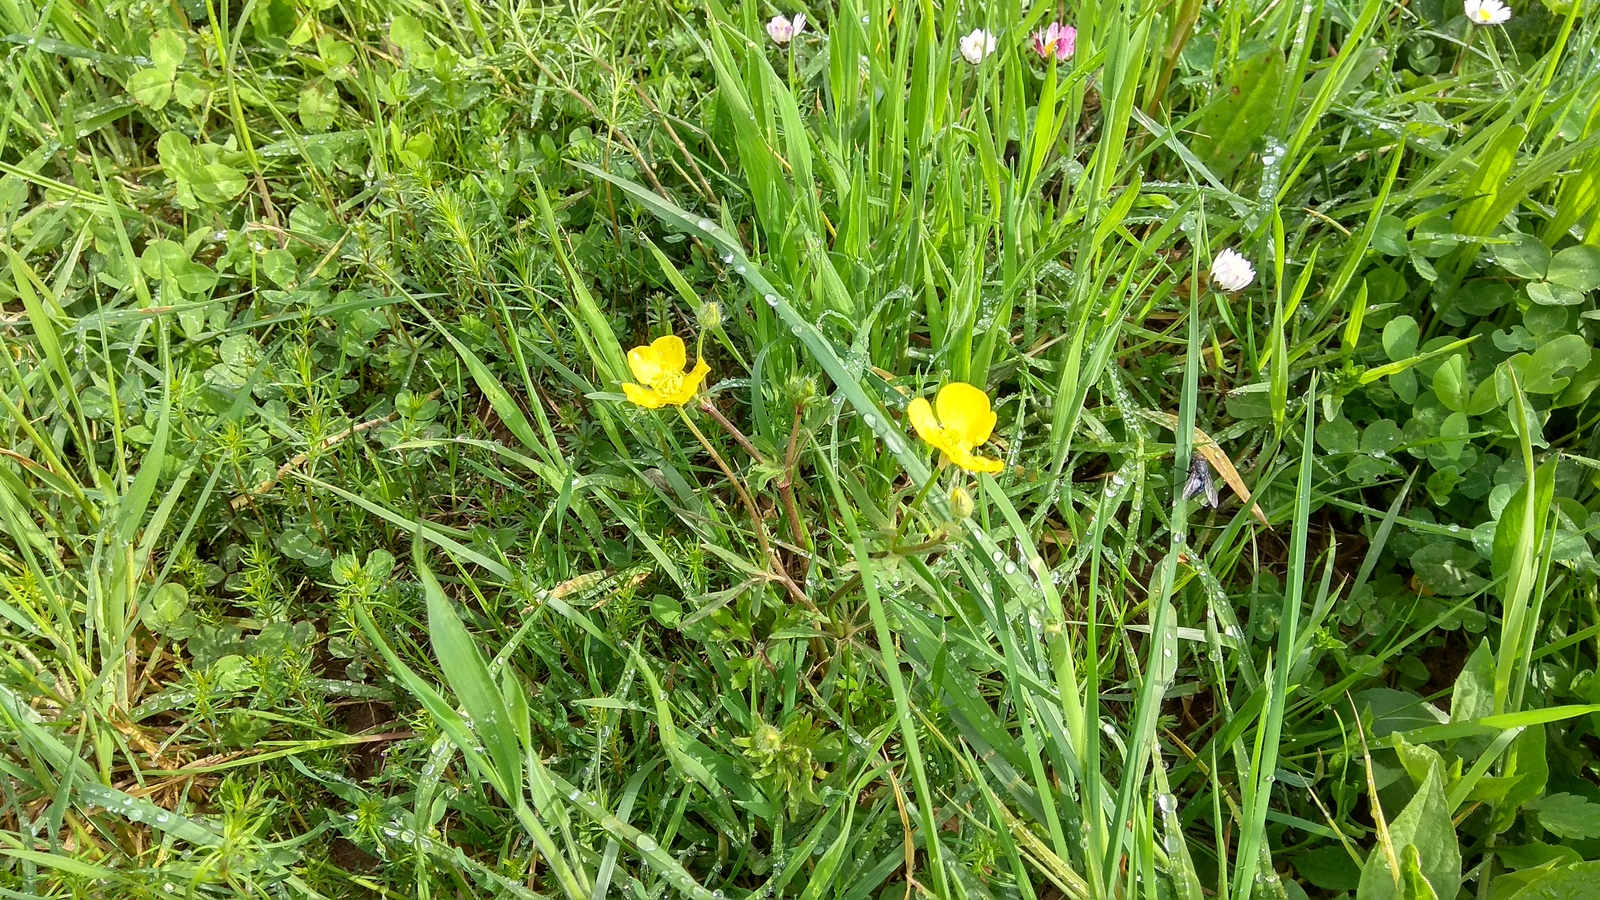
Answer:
[(1142, 449)]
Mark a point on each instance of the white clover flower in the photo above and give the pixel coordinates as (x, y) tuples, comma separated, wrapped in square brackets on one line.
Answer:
[(1487, 12), (782, 31), (977, 46), (1231, 272)]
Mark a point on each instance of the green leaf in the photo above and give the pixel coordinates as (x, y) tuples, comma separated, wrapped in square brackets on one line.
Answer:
[(1547, 293), (190, 90), (1389, 236), (164, 611), (1338, 436), (168, 262), (1450, 383), (1472, 697), (1425, 825), (1568, 816), (319, 106), (1232, 125), (1579, 882), (279, 266), (467, 671), (1400, 338), (1447, 568), (1577, 268), (407, 34), (1329, 867), (167, 51), (197, 182), (1523, 255), (151, 87), (1413, 884), (1551, 367)]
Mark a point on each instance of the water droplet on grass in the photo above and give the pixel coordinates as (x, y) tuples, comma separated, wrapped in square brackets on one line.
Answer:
[(647, 844)]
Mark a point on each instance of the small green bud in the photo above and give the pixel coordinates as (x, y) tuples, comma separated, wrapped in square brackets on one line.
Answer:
[(709, 315), (960, 503)]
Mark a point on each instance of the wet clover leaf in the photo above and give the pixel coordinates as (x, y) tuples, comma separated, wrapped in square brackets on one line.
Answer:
[(197, 177), (1448, 569), (168, 262)]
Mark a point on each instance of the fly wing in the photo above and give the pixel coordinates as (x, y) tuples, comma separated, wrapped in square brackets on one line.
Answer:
[(1201, 482)]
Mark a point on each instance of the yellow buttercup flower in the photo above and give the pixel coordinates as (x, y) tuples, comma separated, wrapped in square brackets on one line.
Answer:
[(958, 420), (660, 367)]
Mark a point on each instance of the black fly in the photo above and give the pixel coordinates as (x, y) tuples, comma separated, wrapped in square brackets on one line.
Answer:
[(1200, 480)]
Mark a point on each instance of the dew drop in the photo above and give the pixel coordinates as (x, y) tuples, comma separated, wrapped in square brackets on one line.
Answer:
[(794, 330), (1011, 568), (998, 556), (772, 299), (739, 269), (1454, 528), (1167, 803), (707, 225), (647, 844)]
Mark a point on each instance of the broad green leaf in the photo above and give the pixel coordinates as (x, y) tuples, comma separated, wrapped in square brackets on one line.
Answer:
[(407, 34), (1523, 255), (1579, 882), (1548, 293), (1568, 815), (1472, 697), (167, 51), (168, 262), (1233, 123), (1577, 268), (1448, 568), (319, 105), (1450, 383), (151, 87), (1424, 825), (197, 182), (1400, 336)]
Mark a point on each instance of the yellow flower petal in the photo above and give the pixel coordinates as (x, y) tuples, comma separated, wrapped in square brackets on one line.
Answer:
[(691, 381), (920, 412), (974, 463), (640, 396), (964, 412), (646, 364), (670, 353)]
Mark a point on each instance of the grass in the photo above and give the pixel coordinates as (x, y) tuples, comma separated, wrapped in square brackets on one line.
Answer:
[(336, 563)]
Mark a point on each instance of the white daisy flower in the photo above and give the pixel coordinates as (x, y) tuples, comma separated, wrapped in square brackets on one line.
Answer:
[(977, 46), (1487, 12), (1232, 272)]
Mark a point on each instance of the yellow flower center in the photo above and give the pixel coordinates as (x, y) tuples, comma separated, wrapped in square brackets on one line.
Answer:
[(668, 382)]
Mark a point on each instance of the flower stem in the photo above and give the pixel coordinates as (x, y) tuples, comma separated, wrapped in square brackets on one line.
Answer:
[(755, 516), (916, 504)]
